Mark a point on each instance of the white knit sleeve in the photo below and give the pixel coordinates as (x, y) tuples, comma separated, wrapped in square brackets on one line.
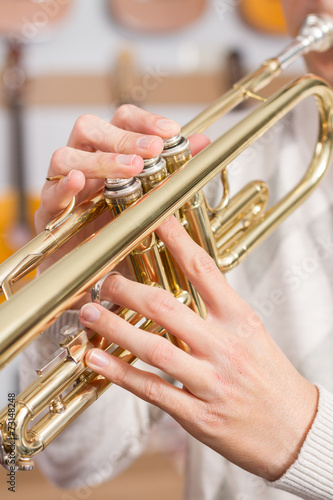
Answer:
[(311, 475)]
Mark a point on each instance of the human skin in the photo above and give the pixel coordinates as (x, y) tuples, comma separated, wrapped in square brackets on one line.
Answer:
[(248, 403), (97, 149), (241, 395), (241, 361), (215, 416)]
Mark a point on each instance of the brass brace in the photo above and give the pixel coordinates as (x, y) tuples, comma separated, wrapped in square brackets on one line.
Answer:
[(250, 94)]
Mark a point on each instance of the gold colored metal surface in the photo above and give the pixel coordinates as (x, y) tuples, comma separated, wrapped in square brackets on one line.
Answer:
[(57, 288), (154, 172), (177, 153), (121, 194), (56, 233), (240, 92), (228, 233), (47, 391)]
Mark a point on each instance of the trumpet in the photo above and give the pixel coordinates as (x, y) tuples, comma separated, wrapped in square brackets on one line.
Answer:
[(168, 185)]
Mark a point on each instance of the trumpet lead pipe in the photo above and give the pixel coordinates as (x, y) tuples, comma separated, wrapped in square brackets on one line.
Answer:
[(316, 34), (48, 241), (59, 286)]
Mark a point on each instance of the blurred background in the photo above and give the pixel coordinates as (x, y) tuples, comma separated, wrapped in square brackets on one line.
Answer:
[(62, 58)]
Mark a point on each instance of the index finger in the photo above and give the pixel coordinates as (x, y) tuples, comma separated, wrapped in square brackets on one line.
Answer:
[(201, 271), (134, 119)]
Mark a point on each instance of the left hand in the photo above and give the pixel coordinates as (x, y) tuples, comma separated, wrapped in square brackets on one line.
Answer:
[(241, 396)]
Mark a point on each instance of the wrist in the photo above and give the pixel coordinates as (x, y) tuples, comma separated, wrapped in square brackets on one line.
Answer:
[(301, 415), (311, 476)]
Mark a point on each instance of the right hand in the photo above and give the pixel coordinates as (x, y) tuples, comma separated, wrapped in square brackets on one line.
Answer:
[(241, 395)]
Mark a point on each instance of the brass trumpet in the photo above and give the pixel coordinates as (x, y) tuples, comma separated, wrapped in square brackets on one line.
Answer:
[(228, 233)]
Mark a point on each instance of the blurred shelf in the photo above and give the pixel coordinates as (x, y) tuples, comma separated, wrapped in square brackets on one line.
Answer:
[(152, 476), (98, 89)]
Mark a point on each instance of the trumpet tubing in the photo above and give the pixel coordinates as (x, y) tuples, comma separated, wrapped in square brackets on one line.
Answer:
[(168, 185)]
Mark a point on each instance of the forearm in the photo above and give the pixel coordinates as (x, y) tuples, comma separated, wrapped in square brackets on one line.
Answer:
[(311, 476)]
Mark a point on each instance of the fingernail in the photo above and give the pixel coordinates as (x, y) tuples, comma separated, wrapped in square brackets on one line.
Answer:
[(68, 176), (125, 159), (164, 124), (97, 358), (90, 313), (145, 142)]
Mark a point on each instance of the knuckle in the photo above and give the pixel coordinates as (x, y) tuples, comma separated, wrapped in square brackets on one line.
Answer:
[(122, 142), (83, 124), (123, 112), (153, 390), (207, 417), (58, 160), (248, 325), (159, 353), (119, 375), (202, 264), (162, 303), (100, 161), (112, 285)]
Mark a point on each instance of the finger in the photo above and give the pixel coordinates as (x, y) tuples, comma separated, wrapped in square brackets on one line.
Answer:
[(150, 348), (95, 165), (198, 142), (145, 385), (132, 118), (91, 133), (160, 306), (201, 270), (56, 196)]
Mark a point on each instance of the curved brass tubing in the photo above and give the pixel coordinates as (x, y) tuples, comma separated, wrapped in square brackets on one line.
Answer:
[(61, 285), (228, 234)]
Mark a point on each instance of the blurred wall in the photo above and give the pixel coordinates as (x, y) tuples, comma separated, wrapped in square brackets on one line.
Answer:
[(88, 41)]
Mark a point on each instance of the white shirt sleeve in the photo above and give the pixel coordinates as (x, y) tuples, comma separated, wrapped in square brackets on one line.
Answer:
[(311, 475)]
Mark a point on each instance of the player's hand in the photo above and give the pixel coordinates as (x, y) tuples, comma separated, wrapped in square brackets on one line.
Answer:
[(241, 396), (98, 149)]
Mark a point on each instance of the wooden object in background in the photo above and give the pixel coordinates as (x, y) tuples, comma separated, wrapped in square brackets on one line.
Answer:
[(156, 16), (96, 89), (151, 477), (24, 18), (126, 77)]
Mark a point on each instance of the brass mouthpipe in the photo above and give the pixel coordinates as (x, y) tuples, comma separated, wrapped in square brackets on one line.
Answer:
[(219, 232), (316, 33), (245, 88), (48, 241), (58, 287)]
